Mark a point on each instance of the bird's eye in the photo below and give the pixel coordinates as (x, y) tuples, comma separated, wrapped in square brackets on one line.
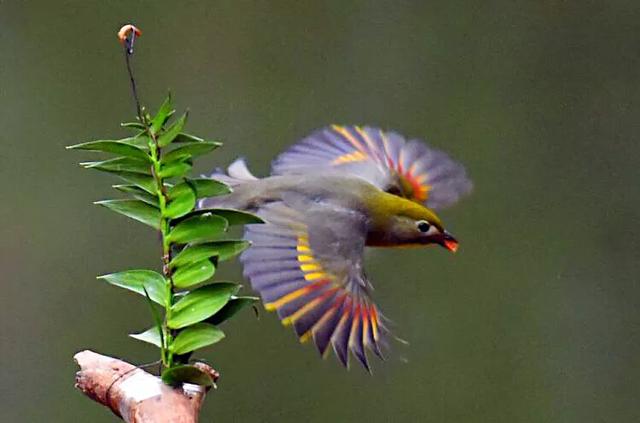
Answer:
[(423, 225)]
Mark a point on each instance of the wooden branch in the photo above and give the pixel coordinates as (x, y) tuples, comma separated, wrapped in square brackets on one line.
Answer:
[(135, 395)]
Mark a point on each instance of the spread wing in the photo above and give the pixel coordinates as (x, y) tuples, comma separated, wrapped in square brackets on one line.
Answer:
[(385, 159), (306, 263)]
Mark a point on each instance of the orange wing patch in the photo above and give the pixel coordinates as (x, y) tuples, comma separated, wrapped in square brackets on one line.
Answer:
[(413, 185), (413, 188)]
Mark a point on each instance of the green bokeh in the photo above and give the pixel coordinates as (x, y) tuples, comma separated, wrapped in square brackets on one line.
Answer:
[(534, 320)]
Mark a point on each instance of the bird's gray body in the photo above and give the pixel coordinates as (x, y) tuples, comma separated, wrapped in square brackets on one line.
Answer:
[(332, 207), (327, 189)]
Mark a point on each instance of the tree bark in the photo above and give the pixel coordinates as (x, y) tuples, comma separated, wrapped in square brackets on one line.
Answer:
[(135, 395)]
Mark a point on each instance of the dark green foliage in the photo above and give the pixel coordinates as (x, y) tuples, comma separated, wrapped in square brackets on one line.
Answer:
[(201, 304), (174, 169), (237, 217), (121, 147), (135, 209), (208, 187), (222, 250), (166, 137), (139, 194), (197, 336), (189, 150), (136, 125), (231, 216), (193, 274), (119, 164), (155, 163), (198, 228), (164, 112), (140, 281), (234, 305), (176, 375), (181, 201), (151, 335), (145, 182)]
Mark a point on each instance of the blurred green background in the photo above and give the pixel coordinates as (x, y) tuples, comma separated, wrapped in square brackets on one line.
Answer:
[(534, 320)]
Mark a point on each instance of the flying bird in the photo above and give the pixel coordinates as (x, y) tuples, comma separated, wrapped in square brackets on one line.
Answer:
[(337, 191)]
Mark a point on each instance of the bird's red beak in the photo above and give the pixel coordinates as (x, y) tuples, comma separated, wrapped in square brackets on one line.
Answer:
[(449, 242)]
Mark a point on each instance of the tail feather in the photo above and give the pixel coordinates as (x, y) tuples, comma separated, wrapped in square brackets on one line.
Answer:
[(237, 173), (239, 170)]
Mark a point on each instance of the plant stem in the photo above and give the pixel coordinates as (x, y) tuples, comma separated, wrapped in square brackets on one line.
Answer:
[(156, 156)]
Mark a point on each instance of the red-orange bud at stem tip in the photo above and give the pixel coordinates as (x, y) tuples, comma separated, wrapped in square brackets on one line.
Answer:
[(125, 30)]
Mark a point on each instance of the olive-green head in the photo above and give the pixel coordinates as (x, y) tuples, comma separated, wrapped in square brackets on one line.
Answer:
[(400, 222)]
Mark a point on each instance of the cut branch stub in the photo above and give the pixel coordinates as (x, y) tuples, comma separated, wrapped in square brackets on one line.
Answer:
[(135, 395)]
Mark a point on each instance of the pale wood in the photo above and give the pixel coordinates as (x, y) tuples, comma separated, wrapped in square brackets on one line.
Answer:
[(135, 395)]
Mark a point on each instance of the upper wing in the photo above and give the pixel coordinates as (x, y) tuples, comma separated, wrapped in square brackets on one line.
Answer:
[(385, 159), (307, 265)]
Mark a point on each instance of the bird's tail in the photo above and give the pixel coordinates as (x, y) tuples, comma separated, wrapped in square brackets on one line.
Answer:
[(237, 173), (244, 186)]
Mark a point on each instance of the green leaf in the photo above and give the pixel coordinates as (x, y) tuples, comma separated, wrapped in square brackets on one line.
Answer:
[(221, 249), (172, 132), (198, 228), (141, 140), (110, 146), (156, 316), (139, 193), (182, 204), (180, 189), (209, 187), (134, 209), (135, 125), (182, 138), (145, 182), (234, 305), (128, 164), (190, 149), (193, 274), (139, 280), (177, 375), (200, 304), (236, 217), (152, 336), (195, 337), (173, 169), (164, 112)]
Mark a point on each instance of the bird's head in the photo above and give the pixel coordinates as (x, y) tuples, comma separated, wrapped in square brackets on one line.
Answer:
[(406, 223), (411, 231)]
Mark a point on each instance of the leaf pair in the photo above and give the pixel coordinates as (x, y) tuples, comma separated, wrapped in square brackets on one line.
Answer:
[(192, 338), (200, 304), (140, 280)]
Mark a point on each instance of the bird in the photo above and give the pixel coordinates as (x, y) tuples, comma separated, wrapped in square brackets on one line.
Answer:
[(330, 196)]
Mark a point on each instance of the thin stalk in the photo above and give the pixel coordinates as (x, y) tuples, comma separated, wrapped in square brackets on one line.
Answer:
[(128, 52), (156, 156)]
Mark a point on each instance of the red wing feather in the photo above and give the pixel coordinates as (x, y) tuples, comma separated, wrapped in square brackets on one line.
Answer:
[(386, 159)]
